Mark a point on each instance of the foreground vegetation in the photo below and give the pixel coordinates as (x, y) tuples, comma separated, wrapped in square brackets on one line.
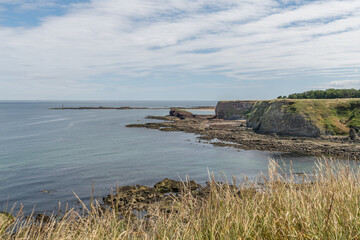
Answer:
[(325, 94), (323, 205)]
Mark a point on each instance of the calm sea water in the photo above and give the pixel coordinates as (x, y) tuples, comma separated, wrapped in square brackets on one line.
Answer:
[(64, 151)]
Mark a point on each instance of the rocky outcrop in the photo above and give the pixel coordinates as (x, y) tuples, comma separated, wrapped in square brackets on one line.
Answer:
[(182, 114), (169, 185), (276, 117), (353, 134), (233, 110), (142, 198)]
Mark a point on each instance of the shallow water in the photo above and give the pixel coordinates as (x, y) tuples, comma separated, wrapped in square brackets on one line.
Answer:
[(47, 155)]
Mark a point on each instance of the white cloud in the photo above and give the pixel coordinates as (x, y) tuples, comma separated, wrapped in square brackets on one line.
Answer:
[(250, 40), (345, 84)]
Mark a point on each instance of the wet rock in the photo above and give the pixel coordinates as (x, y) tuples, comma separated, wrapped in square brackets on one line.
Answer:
[(42, 218), (169, 185), (133, 197), (169, 129), (142, 198), (353, 135), (47, 191), (169, 204)]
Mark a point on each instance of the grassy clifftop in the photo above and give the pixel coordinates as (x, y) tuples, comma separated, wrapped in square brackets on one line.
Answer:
[(306, 117), (298, 117), (334, 116)]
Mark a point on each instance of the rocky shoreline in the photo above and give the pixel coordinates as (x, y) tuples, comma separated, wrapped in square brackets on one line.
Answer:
[(206, 108), (234, 133), (141, 199)]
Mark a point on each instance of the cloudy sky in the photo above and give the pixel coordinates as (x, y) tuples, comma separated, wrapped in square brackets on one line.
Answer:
[(176, 49)]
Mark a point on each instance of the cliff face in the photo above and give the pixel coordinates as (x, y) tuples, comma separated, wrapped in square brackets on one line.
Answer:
[(275, 117), (233, 110), (301, 117)]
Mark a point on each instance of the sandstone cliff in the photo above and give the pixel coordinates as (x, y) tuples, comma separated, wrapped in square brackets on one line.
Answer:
[(233, 110), (301, 117), (275, 117)]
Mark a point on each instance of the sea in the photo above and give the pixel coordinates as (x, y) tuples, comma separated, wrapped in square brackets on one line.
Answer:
[(50, 156)]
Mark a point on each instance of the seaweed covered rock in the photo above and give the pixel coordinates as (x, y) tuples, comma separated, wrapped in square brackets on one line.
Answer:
[(133, 197), (169, 185), (141, 198)]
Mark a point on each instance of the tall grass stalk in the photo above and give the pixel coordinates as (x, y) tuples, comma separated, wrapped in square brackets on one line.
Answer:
[(325, 205)]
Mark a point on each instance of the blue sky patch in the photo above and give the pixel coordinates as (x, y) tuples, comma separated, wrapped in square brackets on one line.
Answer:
[(30, 13)]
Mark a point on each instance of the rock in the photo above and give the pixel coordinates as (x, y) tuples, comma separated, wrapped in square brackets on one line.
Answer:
[(126, 199), (169, 185), (353, 135), (233, 110), (357, 130), (182, 114), (133, 197), (42, 218), (47, 191)]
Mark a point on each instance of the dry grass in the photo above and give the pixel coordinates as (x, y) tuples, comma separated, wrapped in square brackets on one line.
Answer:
[(323, 206)]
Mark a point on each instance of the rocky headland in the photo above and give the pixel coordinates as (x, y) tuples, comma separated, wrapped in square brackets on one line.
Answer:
[(318, 128), (295, 117)]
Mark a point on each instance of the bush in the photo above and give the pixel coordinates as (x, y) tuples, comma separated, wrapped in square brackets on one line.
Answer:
[(326, 94)]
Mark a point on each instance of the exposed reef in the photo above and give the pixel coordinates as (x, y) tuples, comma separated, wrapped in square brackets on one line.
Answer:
[(163, 195)]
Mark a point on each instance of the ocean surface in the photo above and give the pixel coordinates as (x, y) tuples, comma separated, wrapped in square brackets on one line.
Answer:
[(48, 155)]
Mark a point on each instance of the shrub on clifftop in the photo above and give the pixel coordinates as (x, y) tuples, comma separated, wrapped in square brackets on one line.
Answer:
[(325, 94)]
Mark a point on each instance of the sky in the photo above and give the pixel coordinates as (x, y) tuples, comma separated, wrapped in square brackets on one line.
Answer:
[(176, 49)]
